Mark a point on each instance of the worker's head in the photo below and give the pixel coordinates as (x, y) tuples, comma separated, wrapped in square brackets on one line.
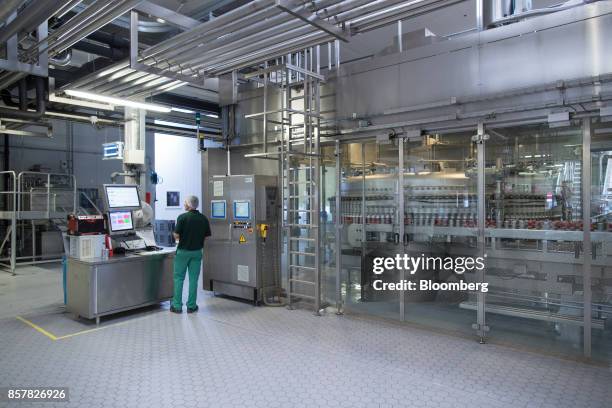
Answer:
[(191, 203)]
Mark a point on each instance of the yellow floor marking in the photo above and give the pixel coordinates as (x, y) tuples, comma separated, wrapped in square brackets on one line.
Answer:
[(95, 329), (55, 338), (37, 328)]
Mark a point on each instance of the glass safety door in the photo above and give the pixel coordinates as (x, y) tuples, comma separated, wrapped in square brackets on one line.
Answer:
[(370, 227), (440, 216), (535, 262), (601, 240)]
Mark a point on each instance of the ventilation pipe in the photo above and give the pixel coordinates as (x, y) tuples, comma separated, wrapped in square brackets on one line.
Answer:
[(63, 59), (22, 112)]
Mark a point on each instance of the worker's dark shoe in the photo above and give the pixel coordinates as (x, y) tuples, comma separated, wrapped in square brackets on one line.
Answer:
[(174, 310), (192, 310)]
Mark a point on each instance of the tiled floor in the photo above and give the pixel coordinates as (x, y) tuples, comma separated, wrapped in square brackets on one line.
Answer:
[(231, 354)]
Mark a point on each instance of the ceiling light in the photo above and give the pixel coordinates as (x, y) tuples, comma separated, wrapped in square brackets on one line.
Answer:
[(211, 115), (181, 110), (174, 124), (161, 21), (117, 101)]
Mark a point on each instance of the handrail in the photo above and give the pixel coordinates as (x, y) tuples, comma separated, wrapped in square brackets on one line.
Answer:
[(23, 174), (82, 193), (13, 191)]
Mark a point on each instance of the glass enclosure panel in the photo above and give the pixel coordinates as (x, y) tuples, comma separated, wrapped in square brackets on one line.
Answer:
[(534, 236), (440, 214), (328, 226), (601, 238), (370, 225)]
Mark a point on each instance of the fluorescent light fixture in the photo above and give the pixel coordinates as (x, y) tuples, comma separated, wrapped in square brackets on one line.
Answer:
[(161, 21), (211, 115), (182, 110), (174, 124), (117, 101)]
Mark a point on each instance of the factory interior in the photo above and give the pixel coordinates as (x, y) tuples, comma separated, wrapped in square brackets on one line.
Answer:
[(320, 139)]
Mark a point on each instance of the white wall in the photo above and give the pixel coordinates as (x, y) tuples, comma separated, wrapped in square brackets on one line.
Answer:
[(178, 162)]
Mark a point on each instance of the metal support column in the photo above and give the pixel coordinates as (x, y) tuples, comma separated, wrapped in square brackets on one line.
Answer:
[(480, 6), (362, 219), (480, 138), (400, 46), (400, 218), (586, 225), (338, 155), (134, 131), (265, 109)]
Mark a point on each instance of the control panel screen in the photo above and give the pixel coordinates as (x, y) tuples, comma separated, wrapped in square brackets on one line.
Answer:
[(242, 210), (217, 209), (120, 221), (122, 197)]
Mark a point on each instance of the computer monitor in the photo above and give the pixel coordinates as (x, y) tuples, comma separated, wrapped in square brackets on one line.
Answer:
[(122, 196), (120, 221), (218, 209), (242, 210)]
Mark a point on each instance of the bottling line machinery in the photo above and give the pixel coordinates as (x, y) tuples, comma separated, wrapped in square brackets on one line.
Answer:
[(533, 233)]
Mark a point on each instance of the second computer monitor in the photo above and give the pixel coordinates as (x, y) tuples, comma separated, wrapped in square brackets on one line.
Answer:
[(120, 221)]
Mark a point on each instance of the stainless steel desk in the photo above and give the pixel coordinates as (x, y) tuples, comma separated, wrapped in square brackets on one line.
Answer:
[(98, 287)]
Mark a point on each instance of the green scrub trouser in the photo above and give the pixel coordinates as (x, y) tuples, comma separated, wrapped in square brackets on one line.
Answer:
[(184, 260)]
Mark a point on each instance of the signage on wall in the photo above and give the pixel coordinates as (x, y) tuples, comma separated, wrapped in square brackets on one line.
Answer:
[(113, 150), (173, 199)]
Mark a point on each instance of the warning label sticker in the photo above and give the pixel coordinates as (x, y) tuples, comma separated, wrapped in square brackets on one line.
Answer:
[(242, 239)]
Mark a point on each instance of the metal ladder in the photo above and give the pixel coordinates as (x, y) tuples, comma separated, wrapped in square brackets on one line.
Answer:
[(298, 78), (300, 156)]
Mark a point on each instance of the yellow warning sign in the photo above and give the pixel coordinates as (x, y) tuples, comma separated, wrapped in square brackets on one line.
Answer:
[(242, 239)]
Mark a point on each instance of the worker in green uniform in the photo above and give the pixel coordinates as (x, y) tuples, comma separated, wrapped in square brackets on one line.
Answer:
[(191, 230)]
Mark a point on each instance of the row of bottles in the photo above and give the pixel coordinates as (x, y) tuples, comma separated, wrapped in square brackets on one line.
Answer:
[(440, 217), (547, 224), (373, 215)]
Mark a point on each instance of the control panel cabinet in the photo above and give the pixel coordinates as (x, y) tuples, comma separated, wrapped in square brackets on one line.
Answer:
[(242, 257)]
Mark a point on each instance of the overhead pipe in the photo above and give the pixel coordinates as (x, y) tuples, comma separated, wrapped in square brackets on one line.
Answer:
[(219, 23), (240, 30), (347, 13), (338, 12), (95, 16), (8, 8), (257, 35), (110, 52), (9, 78), (22, 112), (112, 40), (31, 17), (91, 23)]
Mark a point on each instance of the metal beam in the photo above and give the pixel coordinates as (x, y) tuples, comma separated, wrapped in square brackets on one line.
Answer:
[(314, 20), (171, 17)]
